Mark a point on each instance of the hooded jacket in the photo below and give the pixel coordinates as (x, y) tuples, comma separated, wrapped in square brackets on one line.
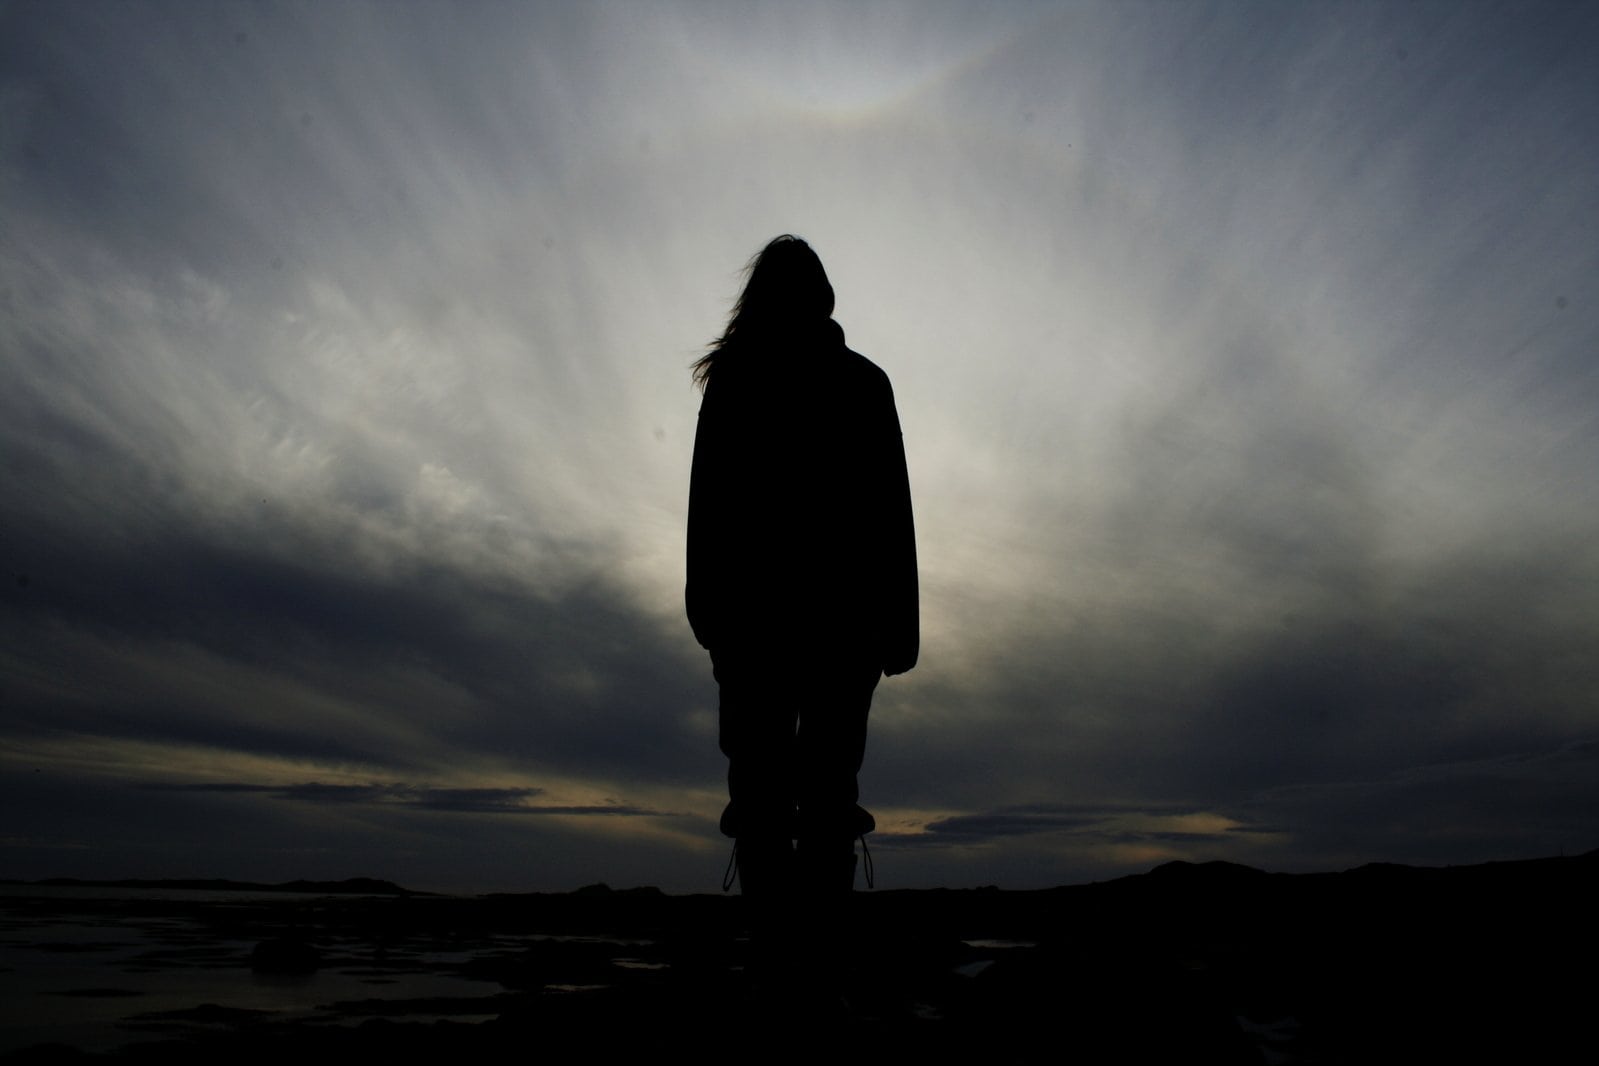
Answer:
[(800, 535)]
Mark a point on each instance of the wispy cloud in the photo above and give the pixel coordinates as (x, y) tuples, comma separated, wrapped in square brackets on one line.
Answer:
[(1243, 353)]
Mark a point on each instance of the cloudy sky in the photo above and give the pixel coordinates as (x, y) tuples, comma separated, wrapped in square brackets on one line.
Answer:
[(1247, 357)]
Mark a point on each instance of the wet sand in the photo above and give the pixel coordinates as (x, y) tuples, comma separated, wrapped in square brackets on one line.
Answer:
[(1207, 963)]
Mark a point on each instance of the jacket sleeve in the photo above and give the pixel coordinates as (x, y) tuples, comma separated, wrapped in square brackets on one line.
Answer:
[(902, 626), (707, 499)]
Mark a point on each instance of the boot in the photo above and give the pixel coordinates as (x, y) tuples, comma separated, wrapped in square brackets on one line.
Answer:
[(766, 881), (826, 867), (827, 960)]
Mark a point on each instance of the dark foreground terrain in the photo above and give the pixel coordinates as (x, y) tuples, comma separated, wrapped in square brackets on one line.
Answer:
[(1185, 964)]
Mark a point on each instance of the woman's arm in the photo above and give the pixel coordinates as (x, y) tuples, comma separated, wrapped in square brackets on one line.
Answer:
[(902, 638), (706, 522)]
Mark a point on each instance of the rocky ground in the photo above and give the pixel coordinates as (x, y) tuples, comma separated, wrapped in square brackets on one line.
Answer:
[(1192, 964)]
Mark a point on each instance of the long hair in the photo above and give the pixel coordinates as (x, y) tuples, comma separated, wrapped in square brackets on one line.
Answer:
[(786, 291)]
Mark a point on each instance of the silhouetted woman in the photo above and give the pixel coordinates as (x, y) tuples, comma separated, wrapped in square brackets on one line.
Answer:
[(801, 571)]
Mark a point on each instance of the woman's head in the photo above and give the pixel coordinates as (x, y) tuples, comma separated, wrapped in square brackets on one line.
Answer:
[(786, 294), (785, 285)]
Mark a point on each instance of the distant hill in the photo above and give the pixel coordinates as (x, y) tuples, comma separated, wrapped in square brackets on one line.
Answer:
[(354, 886), (1224, 883)]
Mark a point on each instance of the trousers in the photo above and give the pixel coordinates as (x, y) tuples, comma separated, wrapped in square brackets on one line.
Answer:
[(794, 734)]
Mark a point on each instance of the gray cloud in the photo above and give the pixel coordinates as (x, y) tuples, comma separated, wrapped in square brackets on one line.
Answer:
[(465, 800), (1040, 818), (1244, 354)]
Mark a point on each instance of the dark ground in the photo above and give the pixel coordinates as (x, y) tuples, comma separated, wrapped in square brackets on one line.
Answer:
[(1185, 964)]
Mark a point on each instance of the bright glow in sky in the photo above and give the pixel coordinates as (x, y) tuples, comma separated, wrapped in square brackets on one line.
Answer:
[(1245, 355)]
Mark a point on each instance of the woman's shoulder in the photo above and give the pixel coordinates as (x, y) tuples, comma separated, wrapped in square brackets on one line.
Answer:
[(865, 373)]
